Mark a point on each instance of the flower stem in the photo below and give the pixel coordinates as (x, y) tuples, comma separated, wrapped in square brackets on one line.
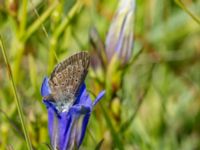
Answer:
[(181, 4), (19, 107), (39, 21), (23, 17)]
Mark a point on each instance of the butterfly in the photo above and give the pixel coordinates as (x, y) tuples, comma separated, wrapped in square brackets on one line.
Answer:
[(66, 79)]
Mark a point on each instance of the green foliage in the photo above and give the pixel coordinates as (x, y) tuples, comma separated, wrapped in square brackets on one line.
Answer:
[(152, 103)]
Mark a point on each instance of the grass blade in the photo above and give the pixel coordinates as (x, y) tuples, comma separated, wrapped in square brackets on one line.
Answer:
[(19, 107), (115, 136), (127, 124), (181, 4), (98, 147)]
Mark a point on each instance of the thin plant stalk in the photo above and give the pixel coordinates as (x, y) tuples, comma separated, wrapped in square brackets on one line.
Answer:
[(127, 124), (181, 4), (43, 27), (59, 31), (23, 17), (39, 21), (29, 31), (38, 16), (19, 107), (116, 137)]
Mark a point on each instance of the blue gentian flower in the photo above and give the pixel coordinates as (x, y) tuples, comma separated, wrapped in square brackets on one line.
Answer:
[(67, 128), (119, 39)]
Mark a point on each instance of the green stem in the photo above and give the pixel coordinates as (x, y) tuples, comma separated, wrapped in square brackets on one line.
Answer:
[(66, 20), (129, 121), (19, 107), (39, 21), (115, 136), (59, 30), (23, 18), (38, 16), (181, 4)]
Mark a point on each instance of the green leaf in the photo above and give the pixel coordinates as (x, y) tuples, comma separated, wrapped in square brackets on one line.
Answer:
[(98, 146)]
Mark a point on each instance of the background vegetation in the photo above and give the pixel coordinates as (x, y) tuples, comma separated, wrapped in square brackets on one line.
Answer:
[(156, 106)]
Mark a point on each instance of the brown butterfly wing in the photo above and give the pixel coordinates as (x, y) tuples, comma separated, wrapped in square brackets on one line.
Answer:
[(68, 75)]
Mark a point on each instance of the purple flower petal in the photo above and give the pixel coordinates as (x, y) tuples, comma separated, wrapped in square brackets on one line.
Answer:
[(119, 39), (83, 129), (79, 110), (63, 130), (101, 94), (84, 97), (45, 90), (67, 129)]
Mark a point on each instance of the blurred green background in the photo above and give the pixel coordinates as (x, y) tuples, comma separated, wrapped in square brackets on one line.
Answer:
[(157, 103)]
